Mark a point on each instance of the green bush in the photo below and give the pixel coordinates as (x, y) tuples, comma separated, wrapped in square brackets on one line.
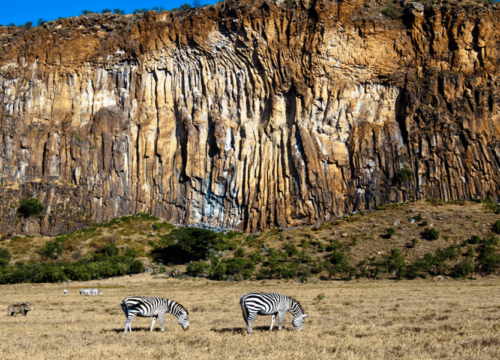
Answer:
[(496, 227), (185, 244), (162, 225), (51, 249), (89, 267), (474, 239), (240, 253), (430, 234), (470, 252), (257, 258), (30, 207), (390, 232), (396, 263), (462, 270), (196, 268), (290, 249), (404, 174)]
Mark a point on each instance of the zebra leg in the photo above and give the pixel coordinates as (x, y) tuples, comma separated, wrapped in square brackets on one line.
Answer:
[(281, 315), (128, 322), (161, 322), (153, 323), (272, 321), (251, 316)]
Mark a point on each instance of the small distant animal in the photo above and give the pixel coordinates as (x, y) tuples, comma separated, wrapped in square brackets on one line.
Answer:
[(65, 292), (254, 303), (155, 307), (176, 273), (89, 292), (21, 308)]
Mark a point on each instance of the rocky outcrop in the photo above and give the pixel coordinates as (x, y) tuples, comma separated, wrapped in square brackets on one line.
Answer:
[(248, 115)]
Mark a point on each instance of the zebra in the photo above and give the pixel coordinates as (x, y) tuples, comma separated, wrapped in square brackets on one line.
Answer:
[(274, 304), (94, 292), (85, 292), (153, 307)]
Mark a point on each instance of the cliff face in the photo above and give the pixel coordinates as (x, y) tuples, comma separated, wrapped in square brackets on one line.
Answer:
[(248, 115)]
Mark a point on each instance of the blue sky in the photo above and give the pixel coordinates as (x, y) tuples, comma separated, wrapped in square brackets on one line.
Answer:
[(19, 12)]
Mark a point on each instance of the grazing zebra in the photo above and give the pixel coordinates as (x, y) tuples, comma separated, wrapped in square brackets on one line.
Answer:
[(85, 292), (94, 292), (153, 307), (65, 292), (271, 304)]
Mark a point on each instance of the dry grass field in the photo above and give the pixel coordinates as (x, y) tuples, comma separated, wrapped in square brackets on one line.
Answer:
[(364, 319)]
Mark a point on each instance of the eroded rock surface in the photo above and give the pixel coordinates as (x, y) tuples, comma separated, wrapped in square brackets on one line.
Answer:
[(248, 115)]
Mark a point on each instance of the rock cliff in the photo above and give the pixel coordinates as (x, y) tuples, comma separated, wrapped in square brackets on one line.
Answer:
[(248, 115)]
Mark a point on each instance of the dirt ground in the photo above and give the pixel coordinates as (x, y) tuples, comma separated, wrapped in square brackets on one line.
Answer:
[(384, 319)]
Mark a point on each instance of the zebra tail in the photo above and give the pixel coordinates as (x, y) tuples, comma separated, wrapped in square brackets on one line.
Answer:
[(244, 310)]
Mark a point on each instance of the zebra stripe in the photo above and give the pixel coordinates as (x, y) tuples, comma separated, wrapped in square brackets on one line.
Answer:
[(155, 307), (253, 304), (89, 292)]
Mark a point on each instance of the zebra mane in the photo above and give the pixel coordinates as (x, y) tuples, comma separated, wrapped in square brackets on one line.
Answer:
[(182, 306), (298, 303)]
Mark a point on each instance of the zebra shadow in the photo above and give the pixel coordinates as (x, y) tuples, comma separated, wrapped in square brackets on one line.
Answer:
[(134, 329), (238, 330)]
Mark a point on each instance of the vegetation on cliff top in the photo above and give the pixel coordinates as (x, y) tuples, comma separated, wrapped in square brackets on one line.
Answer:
[(453, 239)]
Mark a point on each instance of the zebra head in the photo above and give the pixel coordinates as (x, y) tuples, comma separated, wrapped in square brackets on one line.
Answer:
[(183, 319), (298, 321)]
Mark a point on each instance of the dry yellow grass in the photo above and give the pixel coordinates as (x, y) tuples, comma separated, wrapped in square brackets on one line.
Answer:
[(356, 320)]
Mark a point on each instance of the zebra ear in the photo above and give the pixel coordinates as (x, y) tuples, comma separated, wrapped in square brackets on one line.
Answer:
[(305, 315)]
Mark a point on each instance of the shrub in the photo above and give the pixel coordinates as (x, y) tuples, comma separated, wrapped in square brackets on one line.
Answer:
[(417, 269), (119, 11), (320, 297), (157, 226), (430, 234), (87, 12), (470, 252), (257, 258), (185, 244), (264, 273), (396, 263), (108, 250), (4, 257), (185, 7), (105, 11), (240, 253), (404, 174), (30, 207), (40, 22), (474, 239), (196, 268), (51, 249), (354, 241), (290, 249), (390, 232), (496, 227), (304, 244), (462, 270), (322, 247), (414, 242)]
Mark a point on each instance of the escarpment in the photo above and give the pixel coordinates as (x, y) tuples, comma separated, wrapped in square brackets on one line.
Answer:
[(248, 115)]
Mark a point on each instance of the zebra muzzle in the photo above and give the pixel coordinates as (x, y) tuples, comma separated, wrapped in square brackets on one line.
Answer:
[(186, 328)]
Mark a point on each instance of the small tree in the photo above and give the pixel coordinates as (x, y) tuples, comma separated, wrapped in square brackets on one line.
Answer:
[(430, 234), (105, 11), (87, 12), (40, 22), (390, 232), (30, 207), (404, 175), (496, 227), (119, 11)]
